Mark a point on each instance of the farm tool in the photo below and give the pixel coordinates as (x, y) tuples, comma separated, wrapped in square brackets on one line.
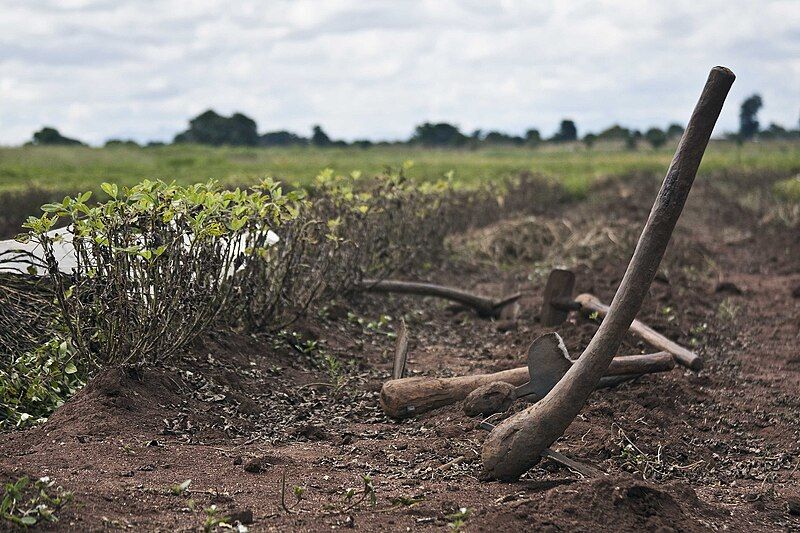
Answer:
[(519, 442), (548, 361), (558, 302), (483, 305)]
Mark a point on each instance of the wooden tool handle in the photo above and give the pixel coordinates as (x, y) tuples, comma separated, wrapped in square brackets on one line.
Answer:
[(406, 397), (687, 358), (517, 443), (648, 363), (483, 305)]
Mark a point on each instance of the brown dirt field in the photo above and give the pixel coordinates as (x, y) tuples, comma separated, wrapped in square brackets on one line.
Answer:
[(683, 451)]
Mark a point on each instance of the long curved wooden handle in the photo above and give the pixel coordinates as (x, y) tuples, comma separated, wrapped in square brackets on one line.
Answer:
[(517, 443), (687, 358)]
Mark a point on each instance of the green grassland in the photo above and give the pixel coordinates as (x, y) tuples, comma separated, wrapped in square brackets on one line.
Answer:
[(82, 168)]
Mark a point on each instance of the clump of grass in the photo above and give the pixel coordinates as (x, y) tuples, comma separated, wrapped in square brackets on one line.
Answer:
[(728, 309), (788, 189)]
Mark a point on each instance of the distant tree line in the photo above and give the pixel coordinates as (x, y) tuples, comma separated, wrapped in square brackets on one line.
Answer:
[(213, 129), (51, 136)]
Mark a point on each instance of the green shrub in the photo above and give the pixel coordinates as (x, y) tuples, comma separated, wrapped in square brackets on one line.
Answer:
[(34, 383), (155, 262), (158, 264), (351, 228)]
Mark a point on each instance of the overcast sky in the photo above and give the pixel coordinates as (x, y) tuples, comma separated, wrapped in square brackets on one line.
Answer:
[(140, 69)]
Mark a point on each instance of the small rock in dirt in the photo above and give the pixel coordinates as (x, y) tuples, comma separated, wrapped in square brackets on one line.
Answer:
[(503, 326), (245, 516), (312, 432), (727, 287), (793, 505), (238, 460), (257, 465), (492, 398), (221, 498), (338, 312), (449, 431), (796, 292)]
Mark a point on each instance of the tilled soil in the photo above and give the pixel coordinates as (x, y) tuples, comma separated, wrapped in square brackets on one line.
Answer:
[(249, 418)]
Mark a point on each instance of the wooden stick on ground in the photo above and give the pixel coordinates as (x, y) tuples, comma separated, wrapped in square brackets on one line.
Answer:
[(685, 357), (400, 351), (485, 307)]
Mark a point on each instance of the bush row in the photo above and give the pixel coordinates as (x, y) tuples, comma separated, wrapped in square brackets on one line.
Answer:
[(157, 264)]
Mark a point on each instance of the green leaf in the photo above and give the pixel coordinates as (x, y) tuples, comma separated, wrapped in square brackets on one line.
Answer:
[(52, 208), (70, 368), (110, 189), (28, 520)]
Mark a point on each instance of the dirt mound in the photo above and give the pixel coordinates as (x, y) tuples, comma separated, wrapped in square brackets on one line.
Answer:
[(528, 238), (618, 503), (116, 402), (580, 242)]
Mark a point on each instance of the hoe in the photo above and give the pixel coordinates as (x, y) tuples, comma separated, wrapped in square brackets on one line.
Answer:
[(519, 442)]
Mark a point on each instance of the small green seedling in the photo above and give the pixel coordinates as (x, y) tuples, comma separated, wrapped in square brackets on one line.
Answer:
[(25, 504), (367, 492), (298, 492), (458, 519), (214, 519), (180, 488)]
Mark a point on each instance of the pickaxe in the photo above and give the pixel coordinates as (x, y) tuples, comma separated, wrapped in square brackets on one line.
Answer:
[(558, 302), (548, 361)]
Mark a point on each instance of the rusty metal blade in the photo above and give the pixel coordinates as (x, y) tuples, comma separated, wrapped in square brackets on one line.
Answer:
[(582, 468)]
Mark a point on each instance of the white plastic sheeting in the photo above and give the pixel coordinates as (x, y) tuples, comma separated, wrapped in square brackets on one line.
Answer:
[(64, 252)]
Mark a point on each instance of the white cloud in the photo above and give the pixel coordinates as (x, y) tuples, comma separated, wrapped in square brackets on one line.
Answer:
[(142, 68)]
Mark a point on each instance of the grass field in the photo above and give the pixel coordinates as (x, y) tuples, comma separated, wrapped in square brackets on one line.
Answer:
[(81, 168)]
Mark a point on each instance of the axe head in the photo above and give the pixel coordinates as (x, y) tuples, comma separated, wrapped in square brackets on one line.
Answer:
[(548, 361), (559, 288)]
